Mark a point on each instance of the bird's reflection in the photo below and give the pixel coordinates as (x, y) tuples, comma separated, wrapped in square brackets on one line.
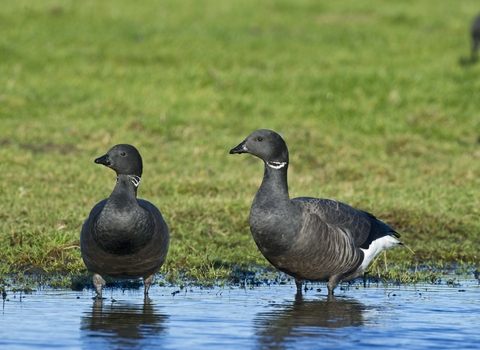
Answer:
[(123, 324), (307, 318)]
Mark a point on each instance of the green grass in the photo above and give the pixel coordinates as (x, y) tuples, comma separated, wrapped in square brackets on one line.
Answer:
[(378, 103)]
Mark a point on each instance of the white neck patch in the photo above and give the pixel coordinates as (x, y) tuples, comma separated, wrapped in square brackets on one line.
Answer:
[(276, 165), (135, 179)]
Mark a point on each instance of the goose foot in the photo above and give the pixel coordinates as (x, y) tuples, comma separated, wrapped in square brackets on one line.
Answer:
[(147, 281), (298, 283), (98, 283)]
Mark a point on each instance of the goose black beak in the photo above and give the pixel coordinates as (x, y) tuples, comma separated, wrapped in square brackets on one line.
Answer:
[(104, 160), (241, 148)]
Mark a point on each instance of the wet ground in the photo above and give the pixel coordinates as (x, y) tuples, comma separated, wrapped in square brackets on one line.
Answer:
[(445, 315)]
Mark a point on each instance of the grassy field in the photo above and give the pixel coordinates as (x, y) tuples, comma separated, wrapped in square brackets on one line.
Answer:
[(378, 102)]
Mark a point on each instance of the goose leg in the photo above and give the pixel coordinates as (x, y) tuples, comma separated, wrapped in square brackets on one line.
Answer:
[(385, 259), (333, 283), (99, 283), (147, 281), (298, 283)]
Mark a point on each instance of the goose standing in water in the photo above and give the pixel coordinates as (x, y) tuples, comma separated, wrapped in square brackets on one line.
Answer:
[(311, 239), (124, 237)]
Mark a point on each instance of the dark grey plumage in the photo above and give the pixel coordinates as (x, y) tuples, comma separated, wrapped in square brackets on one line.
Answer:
[(124, 237), (475, 31), (309, 238)]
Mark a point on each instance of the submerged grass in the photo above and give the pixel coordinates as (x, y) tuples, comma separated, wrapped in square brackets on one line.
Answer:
[(378, 103)]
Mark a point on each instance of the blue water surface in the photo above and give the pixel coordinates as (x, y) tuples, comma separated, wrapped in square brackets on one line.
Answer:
[(422, 316)]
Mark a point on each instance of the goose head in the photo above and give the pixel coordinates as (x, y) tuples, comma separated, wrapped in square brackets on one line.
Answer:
[(123, 159), (266, 145)]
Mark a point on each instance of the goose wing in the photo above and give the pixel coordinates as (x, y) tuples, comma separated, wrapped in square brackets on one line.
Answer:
[(378, 229), (362, 227), (92, 217), (327, 246)]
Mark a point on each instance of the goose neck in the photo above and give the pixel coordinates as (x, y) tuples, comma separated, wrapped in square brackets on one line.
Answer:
[(125, 191), (274, 183)]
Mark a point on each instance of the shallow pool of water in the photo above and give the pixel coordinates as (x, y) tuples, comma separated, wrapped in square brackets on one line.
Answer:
[(440, 316)]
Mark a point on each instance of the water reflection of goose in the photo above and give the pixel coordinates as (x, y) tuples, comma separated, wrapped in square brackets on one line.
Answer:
[(124, 325), (302, 318)]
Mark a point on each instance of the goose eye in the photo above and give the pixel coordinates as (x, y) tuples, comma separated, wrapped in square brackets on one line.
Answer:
[(259, 138), (123, 154)]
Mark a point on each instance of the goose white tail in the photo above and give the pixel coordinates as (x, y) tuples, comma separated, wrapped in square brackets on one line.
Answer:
[(378, 245)]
